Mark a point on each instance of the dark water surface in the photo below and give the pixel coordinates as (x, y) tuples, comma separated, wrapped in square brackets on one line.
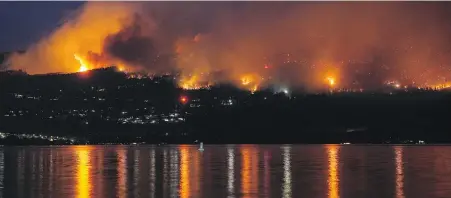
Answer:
[(226, 171)]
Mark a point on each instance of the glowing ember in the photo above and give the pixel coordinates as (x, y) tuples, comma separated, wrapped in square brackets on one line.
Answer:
[(331, 81), (183, 99)]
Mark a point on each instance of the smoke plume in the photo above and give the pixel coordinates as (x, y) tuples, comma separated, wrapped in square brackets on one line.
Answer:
[(298, 44)]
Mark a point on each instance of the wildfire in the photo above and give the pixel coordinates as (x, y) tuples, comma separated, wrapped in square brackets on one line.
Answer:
[(245, 80), (83, 65), (250, 82), (191, 83), (83, 68), (330, 81), (442, 86), (254, 88)]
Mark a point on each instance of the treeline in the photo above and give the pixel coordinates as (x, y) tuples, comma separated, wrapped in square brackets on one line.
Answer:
[(261, 117)]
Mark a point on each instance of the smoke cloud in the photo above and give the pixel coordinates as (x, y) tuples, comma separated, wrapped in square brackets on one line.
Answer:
[(297, 44)]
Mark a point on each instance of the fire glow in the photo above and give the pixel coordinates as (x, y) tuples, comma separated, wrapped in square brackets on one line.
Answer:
[(183, 99), (193, 82), (253, 56), (83, 65), (250, 82), (331, 81)]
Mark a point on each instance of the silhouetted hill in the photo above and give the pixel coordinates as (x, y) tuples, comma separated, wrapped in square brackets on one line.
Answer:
[(107, 106)]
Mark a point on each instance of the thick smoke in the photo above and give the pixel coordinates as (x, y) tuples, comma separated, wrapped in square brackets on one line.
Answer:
[(82, 34), (361, 44), (132, 45)]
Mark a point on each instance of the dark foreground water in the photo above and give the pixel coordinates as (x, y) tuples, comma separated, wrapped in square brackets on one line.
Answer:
[(226, 171)]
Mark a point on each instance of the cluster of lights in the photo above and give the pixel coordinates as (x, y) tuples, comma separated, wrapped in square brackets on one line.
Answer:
[(38, 136)]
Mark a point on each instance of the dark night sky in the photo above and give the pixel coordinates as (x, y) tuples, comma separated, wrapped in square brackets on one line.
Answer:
[(23, 23)]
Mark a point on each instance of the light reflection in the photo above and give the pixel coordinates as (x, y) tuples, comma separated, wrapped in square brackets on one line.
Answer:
[(286, 187), (50, 187), (399, 172), (196, 173), (33, 166), (41, 172), (173, 173), (20, 173), (99, 184), (152, 173), (2, 169), (266, 158), (333, 179), (245, 171), (165, 172), (230, 172), (83, 172), (136, 172), (122, 172), (184, 172), (249, 170)]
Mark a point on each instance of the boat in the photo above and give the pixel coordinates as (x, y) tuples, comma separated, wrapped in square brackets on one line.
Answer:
[(201, 147)]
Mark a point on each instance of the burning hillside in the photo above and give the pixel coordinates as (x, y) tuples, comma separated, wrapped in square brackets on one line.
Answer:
[(313, 45)]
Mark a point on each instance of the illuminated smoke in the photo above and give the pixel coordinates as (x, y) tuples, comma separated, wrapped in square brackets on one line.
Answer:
[(82, 35), (309, 45)]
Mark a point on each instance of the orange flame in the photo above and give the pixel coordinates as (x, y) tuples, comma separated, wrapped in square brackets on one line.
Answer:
[(331, 81), (189, 82), (250, 82), (245, 80), (192, 82), (83, 66)]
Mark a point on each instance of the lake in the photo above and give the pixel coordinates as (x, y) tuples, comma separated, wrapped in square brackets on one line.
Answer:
[(226, 171)]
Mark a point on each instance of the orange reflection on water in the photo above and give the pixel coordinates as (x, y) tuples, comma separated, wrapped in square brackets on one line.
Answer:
[(399, 172), (245, 168), (122, 172), (184, 172), (83, 171), (249, 170), (195, 178), (333, 179)]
